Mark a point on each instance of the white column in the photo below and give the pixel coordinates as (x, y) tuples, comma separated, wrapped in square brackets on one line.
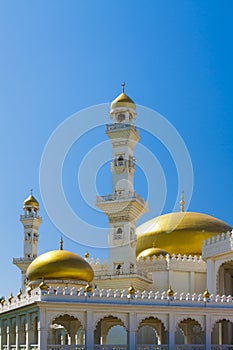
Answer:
[(211, 276), (27, 332), (8, 335), (89, 339), (172, 329), (42, 329), (132, 331), (17, 332), (208, 332), (192, 282)]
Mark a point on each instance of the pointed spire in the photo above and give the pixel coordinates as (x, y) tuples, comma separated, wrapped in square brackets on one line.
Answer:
[(61, 243), (182, 202), (123, 87), (31, 190)]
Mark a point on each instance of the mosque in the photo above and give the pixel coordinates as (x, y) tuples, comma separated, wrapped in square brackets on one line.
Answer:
[(167, 285)]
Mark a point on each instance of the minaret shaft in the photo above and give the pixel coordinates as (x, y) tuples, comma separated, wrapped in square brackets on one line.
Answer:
[(123, 207)]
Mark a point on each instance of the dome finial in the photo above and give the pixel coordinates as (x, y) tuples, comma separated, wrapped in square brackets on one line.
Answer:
[(61, 243), (182, 202), (123, 87), (31, 190)]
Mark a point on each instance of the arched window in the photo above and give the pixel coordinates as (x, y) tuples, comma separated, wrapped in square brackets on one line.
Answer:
[(118, 233)]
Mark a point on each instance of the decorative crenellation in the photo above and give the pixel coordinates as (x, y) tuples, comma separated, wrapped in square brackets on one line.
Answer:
[(72, 294), (180, 262), (217, 245)]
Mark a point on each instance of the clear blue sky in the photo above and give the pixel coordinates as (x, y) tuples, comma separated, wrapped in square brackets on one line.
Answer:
[(58, 57)]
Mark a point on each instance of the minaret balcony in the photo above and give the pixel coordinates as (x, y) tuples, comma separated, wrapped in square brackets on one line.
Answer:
[(117, 126), (122, 206)]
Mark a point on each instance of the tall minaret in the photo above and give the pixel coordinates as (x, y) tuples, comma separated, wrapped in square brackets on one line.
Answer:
[(123, 207), (31, 222)]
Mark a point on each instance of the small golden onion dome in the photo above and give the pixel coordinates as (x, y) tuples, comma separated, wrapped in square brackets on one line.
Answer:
[(87, 255), (206, 294), (170, 292), (60, 265), (43, 286), (150, 252), (19, 294), (88, 288), (131, 290), (31, 202), (179, 232), (123, 100), (29, 290), (3, 301), (10, 298)]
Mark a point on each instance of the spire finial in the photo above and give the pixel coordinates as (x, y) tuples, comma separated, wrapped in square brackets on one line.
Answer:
[(61, 243), (31, 190), (182, 202), (123, 87)]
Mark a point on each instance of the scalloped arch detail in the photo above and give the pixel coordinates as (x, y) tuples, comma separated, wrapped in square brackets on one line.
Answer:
[(54, 315), (162, 318), (216, 319), (122, 318), (199, 319)]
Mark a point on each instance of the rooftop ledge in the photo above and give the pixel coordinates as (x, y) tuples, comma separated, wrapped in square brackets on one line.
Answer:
[(118, 297)]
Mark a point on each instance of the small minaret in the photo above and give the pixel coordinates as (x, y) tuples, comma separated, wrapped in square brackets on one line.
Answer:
[(123, 207), (31, 222)]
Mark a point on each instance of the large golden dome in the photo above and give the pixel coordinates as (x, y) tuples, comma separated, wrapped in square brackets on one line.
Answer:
[(123, 100), (178, 233), (60, 265)]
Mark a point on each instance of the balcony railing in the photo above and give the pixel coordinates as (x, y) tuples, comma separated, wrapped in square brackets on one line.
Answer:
[(105, 274), (190, 347), (117, 126), (152, 347), (122, 196), (66, 347)]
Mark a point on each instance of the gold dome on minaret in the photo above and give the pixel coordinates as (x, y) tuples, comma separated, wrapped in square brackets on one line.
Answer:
[(31, 201), (177, 233), (123, 100), (60, 265)]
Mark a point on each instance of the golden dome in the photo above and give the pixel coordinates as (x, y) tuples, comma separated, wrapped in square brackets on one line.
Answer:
[(206, 294), (31, 202), (60, 265), (131, 290), (170, 292), (150, 252), (123, 100), (178, 233)]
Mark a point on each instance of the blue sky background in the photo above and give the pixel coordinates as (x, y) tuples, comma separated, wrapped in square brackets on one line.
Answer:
[(58, 57)]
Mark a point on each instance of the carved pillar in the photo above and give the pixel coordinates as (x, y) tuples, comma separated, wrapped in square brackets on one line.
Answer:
[(132, 331), (172, 329), (42, 330), (208, 332), (89, 331)]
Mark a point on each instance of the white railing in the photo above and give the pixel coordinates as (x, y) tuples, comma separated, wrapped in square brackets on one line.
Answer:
[(117, 126), (152, 347), (222, 347), (117, 196), (66, 347), (190, 347), (110, 347)]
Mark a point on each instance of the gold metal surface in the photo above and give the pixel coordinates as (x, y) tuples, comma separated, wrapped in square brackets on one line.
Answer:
[(170, 292), (206, 294), (131, 290), (123, 100), (179, 232), (60, 265), (150, 252), (31, 201)]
